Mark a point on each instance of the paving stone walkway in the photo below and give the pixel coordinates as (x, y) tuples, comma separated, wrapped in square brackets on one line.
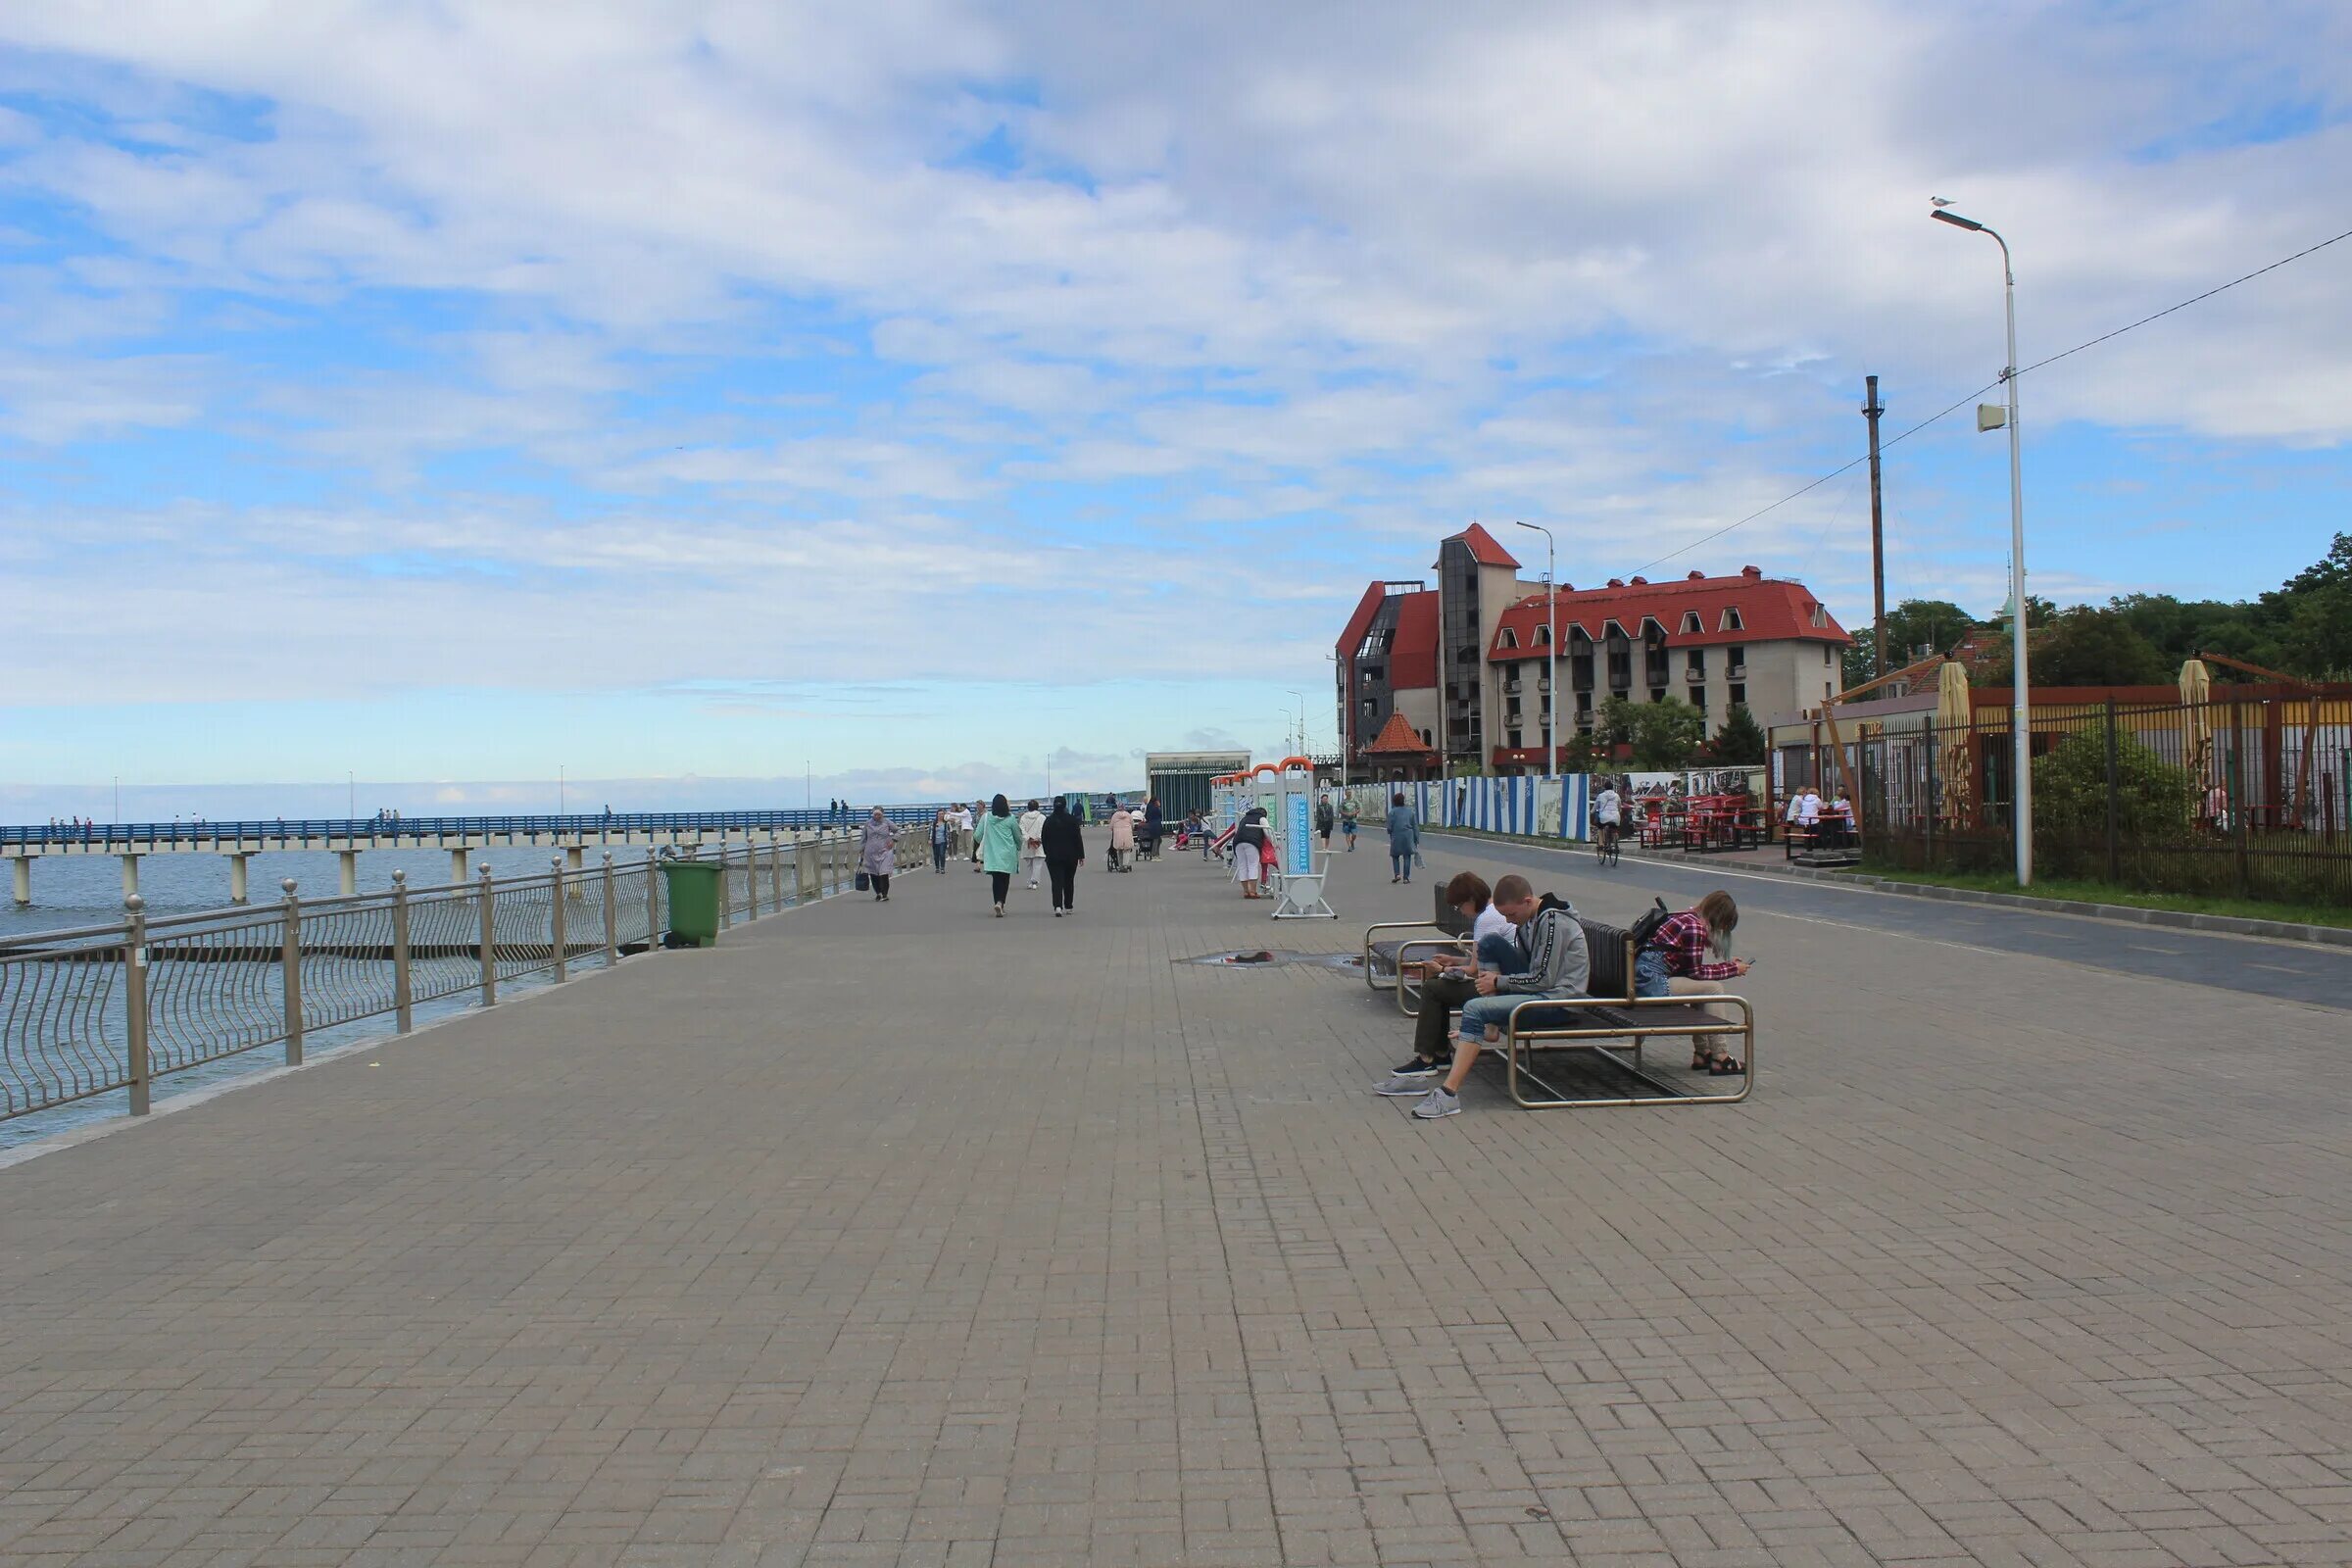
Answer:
[(899, 1234)]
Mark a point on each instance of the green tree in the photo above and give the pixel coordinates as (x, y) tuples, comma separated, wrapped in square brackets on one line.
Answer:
[(2088, 647), (1740, 740), (1662, 735), (2313, 614), (2154, 802), (1914, 628)]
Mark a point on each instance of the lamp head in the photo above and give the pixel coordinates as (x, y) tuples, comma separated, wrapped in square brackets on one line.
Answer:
[(1944, 215)]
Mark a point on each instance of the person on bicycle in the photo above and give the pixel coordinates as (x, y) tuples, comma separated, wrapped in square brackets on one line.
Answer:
[(1607, 810)]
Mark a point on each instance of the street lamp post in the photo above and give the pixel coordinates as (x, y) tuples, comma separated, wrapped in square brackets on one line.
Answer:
[(1552, 643), (1301, 696), (2021, 763)]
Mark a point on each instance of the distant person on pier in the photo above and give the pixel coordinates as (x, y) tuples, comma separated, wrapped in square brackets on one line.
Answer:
[(980, 815), (1033, 847), (1155, 824), (1348, 822), (959, 818), (1325, 820), (943, 838), (878, 852), (999, 849), (1065, 852), (1252, 848)]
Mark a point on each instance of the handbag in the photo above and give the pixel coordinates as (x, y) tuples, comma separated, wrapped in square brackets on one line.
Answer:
[(865, 883)]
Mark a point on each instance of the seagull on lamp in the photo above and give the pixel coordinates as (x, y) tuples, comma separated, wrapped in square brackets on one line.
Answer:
[(1937, 201)]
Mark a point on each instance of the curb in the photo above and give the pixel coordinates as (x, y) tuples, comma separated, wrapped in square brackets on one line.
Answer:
[(2322, 936)]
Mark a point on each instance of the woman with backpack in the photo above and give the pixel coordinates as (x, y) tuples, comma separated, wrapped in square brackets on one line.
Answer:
[(1674, 961)]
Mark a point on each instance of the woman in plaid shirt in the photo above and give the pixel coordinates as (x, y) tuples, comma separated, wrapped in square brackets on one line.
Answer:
[(1676, 961)]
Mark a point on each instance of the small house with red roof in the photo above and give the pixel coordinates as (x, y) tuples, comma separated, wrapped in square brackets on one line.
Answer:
[(1465, 665)]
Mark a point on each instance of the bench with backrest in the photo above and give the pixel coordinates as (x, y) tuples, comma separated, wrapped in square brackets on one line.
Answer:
[(1613, 1022), (1392, 962)]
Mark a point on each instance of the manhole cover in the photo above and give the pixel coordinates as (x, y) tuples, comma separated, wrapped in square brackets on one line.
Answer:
[(1274, 957)]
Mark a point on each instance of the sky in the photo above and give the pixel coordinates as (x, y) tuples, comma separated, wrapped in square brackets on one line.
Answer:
[(890, 399)]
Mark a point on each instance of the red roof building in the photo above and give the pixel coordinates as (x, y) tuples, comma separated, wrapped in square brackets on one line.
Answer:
[(1466, 666)]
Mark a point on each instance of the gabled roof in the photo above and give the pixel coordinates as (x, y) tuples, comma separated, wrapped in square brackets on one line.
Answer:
[(1771, 609), (1413, 656), (1360, 622), (1483, 548), (1397, 738)]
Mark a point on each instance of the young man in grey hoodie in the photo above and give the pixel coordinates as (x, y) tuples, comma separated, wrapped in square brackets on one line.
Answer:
[(1557, 965)]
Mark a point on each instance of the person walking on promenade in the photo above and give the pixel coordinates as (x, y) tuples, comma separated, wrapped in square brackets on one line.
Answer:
[(979, 826), (1033, 849), (960, 821), (999, 849), (878, 852), (1154, 823), (1325, 820), (1348, 822), (1404, 838), (943, 834), (1065, 852), (1122, 840)]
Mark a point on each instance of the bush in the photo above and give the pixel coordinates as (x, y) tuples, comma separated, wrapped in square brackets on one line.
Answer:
[(2155, 803)]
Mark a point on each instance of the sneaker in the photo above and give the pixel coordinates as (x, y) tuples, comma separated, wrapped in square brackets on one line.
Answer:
[(1404, 1085), (1438, 1104), (1414, 1067)]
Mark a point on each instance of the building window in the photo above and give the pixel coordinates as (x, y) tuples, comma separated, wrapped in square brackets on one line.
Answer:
[(1690, 625), (1732, 621), (1542, 636), (1698, 698), (1825, 653), (1738, 696), (1657, 694), (1371, 707), (1696, 665), (1507, 638), (1426, 739), (1736, 656), (1514, 740)]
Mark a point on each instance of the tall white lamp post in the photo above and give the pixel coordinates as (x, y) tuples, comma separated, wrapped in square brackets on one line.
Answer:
[(1552, 643), (2020, 685)]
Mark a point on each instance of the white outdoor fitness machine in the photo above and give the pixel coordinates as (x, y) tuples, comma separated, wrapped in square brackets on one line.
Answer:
[(1289, 806)]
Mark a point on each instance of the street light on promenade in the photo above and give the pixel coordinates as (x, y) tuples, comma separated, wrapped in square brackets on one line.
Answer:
[(1301, 696), (2020, 685), (1552, 641)]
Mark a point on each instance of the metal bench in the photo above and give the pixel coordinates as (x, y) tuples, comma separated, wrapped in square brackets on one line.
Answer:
[(1388, 963), (1613, 1023)]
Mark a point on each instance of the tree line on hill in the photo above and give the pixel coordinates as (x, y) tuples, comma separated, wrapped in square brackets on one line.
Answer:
[(2303, 628)]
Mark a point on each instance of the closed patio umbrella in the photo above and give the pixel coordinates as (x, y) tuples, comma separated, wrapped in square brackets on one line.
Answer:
[(2196, 722), (1954, 726)]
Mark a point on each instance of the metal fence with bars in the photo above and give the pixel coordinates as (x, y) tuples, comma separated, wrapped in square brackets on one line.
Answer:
[(105, 1008), (2241, 797)]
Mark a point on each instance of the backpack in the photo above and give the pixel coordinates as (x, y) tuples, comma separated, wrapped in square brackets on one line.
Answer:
[(1645, 929)]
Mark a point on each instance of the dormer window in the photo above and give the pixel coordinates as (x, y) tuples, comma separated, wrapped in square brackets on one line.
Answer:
[(1821, 616), (1732, 621), (1508, 639), (1542, 636), (1691, 623)]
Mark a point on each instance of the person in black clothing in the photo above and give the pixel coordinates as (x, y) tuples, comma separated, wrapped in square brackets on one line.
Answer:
[(1065, 851)]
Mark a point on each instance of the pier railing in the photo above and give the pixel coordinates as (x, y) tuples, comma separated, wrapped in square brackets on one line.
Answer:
[(111, 1008), (311, 832)]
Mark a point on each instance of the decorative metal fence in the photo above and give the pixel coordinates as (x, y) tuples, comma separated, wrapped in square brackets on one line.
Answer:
[(103, 1009), (2244, 796)]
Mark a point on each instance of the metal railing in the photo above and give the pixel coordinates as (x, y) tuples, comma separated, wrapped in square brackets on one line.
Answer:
[(585, 826), (101, 1009)]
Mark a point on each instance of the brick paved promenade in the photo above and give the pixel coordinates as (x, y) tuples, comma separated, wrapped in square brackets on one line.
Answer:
[(901, 1235)]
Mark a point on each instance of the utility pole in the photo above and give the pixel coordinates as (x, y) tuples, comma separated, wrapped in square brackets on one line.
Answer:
[(1871, 409)]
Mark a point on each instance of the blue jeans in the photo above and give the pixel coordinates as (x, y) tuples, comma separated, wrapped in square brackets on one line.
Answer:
[(1502, 955), (1403, 863), (1650, 973), (1481, 1012)]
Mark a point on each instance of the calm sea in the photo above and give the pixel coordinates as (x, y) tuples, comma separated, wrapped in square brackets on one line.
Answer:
[(74, 890)]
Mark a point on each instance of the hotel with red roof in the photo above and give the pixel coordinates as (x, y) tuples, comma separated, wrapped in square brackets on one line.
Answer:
[(1462, 667)]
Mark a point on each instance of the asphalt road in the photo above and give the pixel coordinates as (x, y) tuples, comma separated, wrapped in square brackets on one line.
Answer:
[(2292, 971)]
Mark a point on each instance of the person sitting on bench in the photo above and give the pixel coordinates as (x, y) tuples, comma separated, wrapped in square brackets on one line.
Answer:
[(1675, 963), (1449, 980), (1553, 962)]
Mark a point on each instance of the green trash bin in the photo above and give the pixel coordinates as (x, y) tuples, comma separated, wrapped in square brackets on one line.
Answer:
[(693, 903)]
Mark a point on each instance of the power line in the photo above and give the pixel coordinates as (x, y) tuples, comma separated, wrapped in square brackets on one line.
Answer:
[(1954, 407)]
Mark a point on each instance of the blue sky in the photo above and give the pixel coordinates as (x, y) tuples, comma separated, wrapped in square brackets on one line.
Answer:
[(448, 396)]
